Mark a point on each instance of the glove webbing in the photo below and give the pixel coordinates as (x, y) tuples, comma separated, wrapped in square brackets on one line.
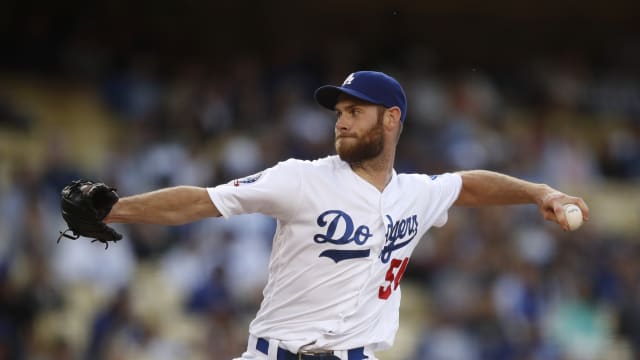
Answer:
[(76, 237)]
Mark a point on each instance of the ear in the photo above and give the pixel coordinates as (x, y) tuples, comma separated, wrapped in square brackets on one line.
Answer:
[(392, 117)]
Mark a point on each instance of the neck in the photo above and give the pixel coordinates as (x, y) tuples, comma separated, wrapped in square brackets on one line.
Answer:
[(376, 171)]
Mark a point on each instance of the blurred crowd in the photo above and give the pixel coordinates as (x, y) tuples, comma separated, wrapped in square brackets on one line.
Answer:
[(494, 283)]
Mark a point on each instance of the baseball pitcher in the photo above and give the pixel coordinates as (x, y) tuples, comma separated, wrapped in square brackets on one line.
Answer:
[(346, 225)]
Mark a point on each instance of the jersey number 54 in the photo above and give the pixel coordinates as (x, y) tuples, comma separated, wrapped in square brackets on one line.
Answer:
[(393, 277)]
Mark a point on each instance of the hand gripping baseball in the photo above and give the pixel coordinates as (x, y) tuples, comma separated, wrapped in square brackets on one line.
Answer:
[(84, 205), (552, 207)]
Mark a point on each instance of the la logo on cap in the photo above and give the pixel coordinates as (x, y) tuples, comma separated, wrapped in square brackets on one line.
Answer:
[(348, 80)]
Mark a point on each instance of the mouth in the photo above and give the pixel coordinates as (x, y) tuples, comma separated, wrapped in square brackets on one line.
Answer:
[(344, 136)]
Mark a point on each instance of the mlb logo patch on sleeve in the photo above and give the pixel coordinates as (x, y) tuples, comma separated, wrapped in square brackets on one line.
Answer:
[(247, 180)]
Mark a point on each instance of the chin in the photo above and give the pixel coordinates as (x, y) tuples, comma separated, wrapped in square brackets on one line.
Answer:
[(342, 149)]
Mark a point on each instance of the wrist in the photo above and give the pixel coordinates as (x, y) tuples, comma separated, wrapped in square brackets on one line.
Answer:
[(539, 192), (112, 215)]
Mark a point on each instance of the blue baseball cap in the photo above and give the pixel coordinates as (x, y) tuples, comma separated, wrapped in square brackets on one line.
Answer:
[(370, 86)]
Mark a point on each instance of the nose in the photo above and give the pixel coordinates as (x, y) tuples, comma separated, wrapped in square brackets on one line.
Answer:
[(341, 123)]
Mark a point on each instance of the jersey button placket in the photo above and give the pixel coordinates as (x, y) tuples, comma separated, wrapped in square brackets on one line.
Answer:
[(381, 244)]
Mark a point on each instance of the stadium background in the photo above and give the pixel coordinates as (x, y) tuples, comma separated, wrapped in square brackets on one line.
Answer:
[(150, 94)]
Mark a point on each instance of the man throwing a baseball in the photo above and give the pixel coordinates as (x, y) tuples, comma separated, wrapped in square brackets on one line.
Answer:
[(346, 225)]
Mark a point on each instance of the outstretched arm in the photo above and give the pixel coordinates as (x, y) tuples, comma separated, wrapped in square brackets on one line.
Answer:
[(482, 187), (171, 206)]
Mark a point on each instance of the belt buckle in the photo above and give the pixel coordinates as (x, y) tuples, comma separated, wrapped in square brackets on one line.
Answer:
[(302, 353)]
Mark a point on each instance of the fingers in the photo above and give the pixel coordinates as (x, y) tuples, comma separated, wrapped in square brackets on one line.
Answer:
[(548, 215), (561, 219), (583, 206)]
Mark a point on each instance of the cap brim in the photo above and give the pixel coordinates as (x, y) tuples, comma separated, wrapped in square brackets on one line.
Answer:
[(327, 96)]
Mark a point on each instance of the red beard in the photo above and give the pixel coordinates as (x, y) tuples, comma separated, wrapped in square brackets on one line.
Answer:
[(356, 149)]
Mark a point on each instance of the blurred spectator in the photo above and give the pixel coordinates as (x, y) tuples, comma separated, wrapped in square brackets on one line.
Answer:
[(579, 326), (620, 152), (11, 117), (445, 342), (134, 92), (115, 320), (212, 295)]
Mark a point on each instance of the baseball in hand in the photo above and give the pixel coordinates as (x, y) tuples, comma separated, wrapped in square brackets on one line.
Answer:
[(574, 216)]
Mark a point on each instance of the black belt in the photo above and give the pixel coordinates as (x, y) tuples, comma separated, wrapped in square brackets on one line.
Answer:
[(262, 345)]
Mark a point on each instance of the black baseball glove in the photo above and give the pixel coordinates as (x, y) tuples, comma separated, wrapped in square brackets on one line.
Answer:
[(84, 206)]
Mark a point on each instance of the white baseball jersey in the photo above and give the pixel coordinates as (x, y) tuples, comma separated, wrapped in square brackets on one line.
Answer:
[(340, 248)]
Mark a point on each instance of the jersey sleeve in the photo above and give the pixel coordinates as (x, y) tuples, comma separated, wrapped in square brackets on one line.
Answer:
[(272, 192), (448, 188)]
